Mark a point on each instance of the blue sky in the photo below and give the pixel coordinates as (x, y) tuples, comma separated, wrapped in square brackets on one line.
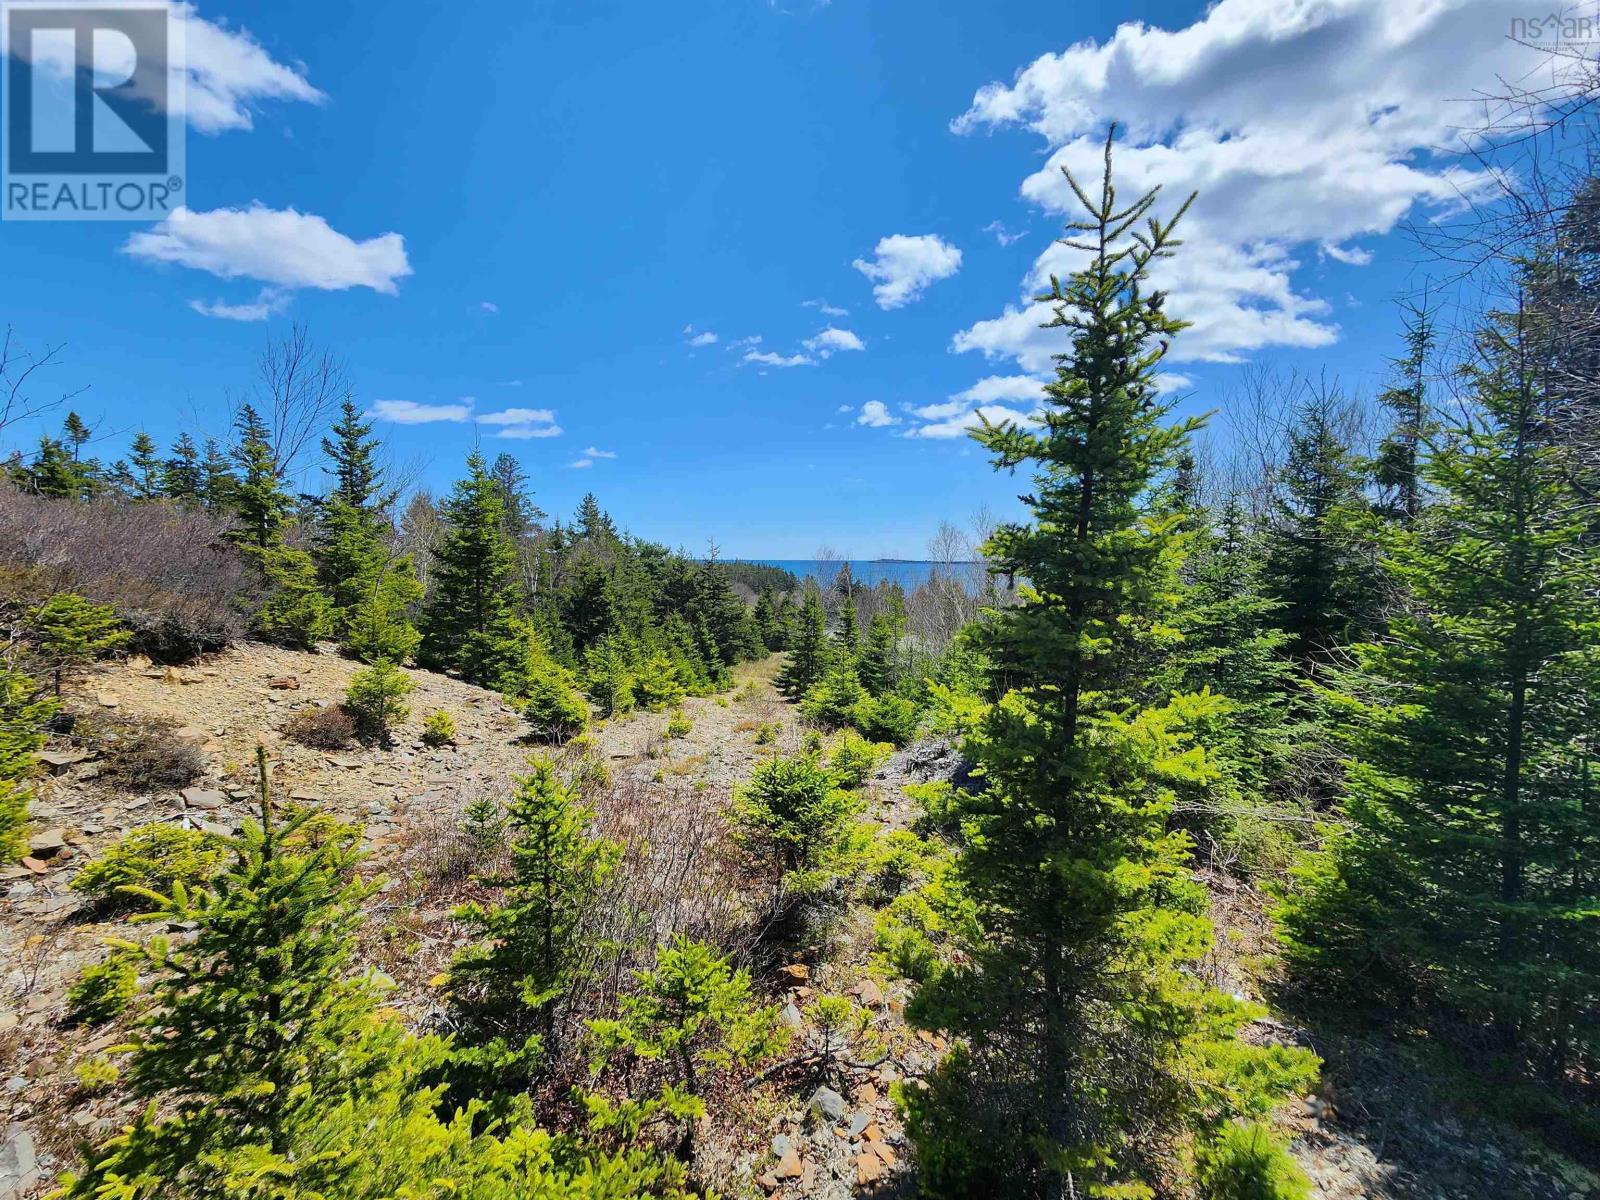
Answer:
[(539, 210)]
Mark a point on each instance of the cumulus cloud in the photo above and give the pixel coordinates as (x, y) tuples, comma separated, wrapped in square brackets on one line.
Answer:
[(591, 452), (767, 358), (1302, 126), (826, 309), (581, 464), (409, 412), (489, 306), (903, 266), (702, 337), (953, 417), (875, 415), (830, 341), (281, 248)]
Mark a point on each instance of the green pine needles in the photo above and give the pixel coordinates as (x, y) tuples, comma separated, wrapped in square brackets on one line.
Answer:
[(1091, 1054)]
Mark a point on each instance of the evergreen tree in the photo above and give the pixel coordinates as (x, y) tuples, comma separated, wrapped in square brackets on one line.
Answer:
[(809, 652), (76, 434), (257, 496), (522, 515), (878, 666), (23, 715), (794, 826), (70, 632), (593, 524), (146, 467), (259, 1034), (766, 621), (528, 947), (1082, 1023), (181, 477), (378, 625), (696, 1015), (297, 613), (847, 638), (217, 480), (1319, 562), (376, 699), (1396, 466), (1463, 876), (53, 473), (470, 621)]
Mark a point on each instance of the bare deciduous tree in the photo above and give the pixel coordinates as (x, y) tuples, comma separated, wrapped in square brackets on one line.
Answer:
[(298, 386), (18, 371)]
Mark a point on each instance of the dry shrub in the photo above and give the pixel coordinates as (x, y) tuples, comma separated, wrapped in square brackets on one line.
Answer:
[(140, 753), (325, 728), (165, 568)]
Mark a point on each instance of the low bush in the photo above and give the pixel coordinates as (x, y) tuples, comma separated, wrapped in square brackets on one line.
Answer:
[(152, 857), (97, 1074), (889, 718), (167, 570), (326, 728), (832, 699), (140, 753), (375, 699), (1246, 1162), (103, 991), (439, 729), (678, 724), (855, 758)]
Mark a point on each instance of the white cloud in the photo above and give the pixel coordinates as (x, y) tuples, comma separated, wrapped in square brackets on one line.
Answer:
[(952, 417), (958, 424), (530, 431), (489, 306), (1352, 256), (409, 412), (523, 423), (702, 337), (581, 464), (826, 309), (591, 452), (1001, 234), (745, 343), (902, 267), (767, 358), (285, 249), (228, 73), (518, 416), (1302, 126), (269, 302), (831, 340), (875, 415)]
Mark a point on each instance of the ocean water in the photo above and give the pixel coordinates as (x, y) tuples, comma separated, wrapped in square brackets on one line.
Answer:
[(909, 575)]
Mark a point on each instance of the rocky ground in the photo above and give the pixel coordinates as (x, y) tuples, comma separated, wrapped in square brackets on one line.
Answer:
[(798, 1132)]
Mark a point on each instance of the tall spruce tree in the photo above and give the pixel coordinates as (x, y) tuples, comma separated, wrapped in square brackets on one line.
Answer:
[(1407, 399), (1083, 1027), (1464, 876), (257, 496), (809, 652), (145, 467), (470, 623), (181, 478), (1319, 561)]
